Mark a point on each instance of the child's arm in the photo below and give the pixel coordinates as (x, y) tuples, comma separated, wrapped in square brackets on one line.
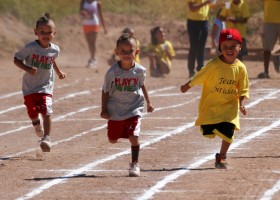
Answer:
[(150, 108), (101, 17), (104, 112), (21, 65), (185, 87), (241, 106), (59, 73)]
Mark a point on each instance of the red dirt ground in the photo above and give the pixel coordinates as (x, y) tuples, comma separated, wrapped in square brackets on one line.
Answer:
[(176, 161)]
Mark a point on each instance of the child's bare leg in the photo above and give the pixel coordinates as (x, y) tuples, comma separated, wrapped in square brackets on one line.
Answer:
[(164, 68), (47, 122), (152, 62), (224, 148)]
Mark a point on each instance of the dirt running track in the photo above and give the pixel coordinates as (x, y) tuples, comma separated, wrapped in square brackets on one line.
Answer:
[(176, 161)]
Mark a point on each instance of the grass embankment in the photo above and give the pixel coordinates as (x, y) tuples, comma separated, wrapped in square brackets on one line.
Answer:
[(29, 10)]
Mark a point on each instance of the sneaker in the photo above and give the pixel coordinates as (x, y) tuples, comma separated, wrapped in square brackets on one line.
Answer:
[(263, 75), (191, 74), (220, 162), (91, 63), (45, 144), (276, 62), (39, 130), (134, 170)]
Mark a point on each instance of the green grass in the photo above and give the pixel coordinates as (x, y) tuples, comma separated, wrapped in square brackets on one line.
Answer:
[(29, 11)]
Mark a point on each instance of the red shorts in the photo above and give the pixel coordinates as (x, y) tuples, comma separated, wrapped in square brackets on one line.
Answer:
[(124, 128), (38, 103)]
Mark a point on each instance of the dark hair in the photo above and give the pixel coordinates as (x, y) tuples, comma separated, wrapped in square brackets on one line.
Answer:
[(45, 19), (153, 32), (127, 30), (125, 37)]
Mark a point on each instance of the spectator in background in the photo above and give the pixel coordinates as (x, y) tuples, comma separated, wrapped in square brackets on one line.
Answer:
[(160, 52), (91, 12), (218, 26), (271, 28), (236, 14), (197, 26)]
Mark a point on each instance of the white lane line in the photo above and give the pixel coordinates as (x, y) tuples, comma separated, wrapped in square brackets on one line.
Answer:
[(167, 179), (150, 192), (86, 92), (160, 184), (80, 134), (268, 194), (64, 178), (55, 119), (162, 89), (5, 96)]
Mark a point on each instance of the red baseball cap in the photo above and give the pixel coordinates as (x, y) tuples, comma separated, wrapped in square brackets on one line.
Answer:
[(230, 34)]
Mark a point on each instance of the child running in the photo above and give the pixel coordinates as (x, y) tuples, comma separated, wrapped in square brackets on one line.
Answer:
[(123, 98), (225, 86), (160, 53), (37, 59)]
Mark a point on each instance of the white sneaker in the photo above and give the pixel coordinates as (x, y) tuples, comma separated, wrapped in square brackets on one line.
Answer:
[(45, 144), (134, 170), (39, 130), (92, 63)]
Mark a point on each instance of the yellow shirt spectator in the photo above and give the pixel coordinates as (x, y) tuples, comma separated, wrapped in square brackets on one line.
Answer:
[(236, 12), (199, 15), (271, 11)]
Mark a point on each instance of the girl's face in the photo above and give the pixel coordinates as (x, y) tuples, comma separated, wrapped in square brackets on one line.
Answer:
[(160, 35), (230, 50), (45, 33), (126, 51)]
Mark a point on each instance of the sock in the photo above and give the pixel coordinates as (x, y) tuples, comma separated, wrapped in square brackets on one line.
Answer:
[(135, 153)]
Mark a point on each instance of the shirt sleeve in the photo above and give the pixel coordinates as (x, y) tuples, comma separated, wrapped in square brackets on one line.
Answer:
[(23, 53), (243, 85), (108, 81)]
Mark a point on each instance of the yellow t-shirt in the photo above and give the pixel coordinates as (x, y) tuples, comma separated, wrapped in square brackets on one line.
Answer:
[(223, 84), (200, 14), (137, 57), (271, 11), (237, 11), (160, 51)]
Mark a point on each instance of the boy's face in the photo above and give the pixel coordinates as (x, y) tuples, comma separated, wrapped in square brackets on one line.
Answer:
[(126, 51), (230, 50), (45, 33)]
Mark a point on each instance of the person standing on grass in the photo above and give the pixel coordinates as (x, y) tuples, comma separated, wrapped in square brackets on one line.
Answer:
[(271, 33), (37, 59), (217, 27), (123, 96), (91, 12), (225, 86), (197, 26), (236, 16)]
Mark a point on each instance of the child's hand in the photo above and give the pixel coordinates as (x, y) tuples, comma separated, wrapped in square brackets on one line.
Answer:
[(150, 108), (32, 70), (184, 88), (61, 75), (243, 110), (104, 114)]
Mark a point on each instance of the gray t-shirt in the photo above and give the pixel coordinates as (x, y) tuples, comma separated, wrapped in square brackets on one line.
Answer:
[(33, 55), (126, 97)]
